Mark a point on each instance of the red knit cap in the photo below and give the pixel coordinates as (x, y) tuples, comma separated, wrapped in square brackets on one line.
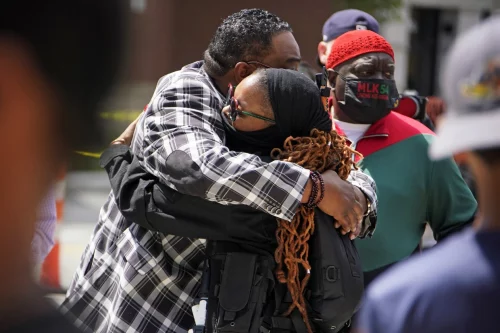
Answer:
[(355, 43)]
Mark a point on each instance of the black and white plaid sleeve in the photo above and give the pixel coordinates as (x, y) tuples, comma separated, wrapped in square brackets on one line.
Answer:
[(184, 147)]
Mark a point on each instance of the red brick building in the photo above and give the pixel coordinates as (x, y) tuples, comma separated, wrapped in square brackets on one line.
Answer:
[(167, 34)]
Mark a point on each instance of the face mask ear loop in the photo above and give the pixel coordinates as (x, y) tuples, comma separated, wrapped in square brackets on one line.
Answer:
[(340, 75), (343, 78)]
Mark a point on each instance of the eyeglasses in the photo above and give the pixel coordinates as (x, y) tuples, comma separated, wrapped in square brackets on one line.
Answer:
[(234, 112)]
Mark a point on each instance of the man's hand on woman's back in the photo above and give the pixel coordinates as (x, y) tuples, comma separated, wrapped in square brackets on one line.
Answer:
[(127, 135), (343, 201)]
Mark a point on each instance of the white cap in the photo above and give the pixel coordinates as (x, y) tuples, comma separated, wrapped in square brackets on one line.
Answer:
[(470, 84)]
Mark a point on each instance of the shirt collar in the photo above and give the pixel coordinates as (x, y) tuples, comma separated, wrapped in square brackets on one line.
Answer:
[(378, 128)]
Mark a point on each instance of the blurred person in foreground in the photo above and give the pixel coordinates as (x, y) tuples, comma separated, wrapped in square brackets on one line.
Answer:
[(52, 81), (135, 280), (455, 287), (412, 188)]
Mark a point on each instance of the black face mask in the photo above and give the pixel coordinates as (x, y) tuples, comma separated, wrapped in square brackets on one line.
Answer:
[(259, 142), (368, 100)]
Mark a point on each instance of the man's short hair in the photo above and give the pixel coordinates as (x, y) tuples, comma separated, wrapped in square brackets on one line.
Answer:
[(243, 36), (76, 45)]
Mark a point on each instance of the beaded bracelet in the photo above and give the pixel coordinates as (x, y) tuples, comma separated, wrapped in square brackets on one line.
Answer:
[(322, 189), (318, 185), (314, 192)]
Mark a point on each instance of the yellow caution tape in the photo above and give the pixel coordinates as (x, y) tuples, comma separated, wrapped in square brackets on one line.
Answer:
[(85, 153), (130, 115)]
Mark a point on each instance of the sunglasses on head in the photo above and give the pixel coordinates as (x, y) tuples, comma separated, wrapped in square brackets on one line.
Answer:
[(234, 111)]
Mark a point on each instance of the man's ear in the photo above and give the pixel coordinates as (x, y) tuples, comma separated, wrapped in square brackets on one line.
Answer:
[(332, 78), (322, 48), (242, 70)]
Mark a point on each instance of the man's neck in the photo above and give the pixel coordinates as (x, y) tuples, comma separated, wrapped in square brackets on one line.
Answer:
[(349, 121), (489, 219), (222, 82), (351, 126), (340, 116), (488, 222)]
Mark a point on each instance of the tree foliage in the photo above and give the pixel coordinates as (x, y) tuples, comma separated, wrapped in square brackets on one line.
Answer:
[(382, 10)]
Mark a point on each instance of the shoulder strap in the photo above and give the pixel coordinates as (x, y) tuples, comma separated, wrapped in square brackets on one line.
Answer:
[(297, 322), (292, 323)]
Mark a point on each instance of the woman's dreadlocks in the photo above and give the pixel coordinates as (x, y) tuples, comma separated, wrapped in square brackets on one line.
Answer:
[(321, 151)]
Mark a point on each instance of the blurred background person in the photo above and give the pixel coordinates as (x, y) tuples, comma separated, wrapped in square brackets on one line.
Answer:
[(340, 23), (414, 106), (434, 108), (308, 70), (51, 85)]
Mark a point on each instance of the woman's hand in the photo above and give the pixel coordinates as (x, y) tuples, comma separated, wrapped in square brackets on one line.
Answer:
[(126, 137)]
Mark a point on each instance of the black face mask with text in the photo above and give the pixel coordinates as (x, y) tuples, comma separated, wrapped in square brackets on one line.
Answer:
[(368, 100)]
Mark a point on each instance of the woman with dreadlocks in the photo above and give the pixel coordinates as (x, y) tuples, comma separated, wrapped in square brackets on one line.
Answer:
[(276, 114)]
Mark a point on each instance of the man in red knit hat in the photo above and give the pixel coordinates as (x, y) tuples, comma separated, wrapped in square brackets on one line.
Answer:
[(354, 19), (412, 188)]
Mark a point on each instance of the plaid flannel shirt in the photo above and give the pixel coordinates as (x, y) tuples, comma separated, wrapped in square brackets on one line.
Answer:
[(134, 280)]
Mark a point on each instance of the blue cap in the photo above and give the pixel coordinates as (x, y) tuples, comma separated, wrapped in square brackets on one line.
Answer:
[(347, 20), (470, 84)]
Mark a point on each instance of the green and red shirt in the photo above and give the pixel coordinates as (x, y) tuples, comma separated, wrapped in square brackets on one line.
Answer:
[(412, 190)]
